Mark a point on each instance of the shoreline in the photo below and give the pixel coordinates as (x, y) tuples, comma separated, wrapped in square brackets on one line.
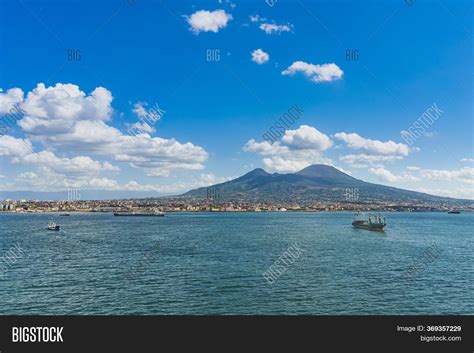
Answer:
[(243, 211)]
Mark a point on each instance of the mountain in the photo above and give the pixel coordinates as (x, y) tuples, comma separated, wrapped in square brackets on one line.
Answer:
[(317, 182), (327, 175)]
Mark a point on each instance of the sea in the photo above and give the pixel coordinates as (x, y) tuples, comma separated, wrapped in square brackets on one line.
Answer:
[(255, 263)]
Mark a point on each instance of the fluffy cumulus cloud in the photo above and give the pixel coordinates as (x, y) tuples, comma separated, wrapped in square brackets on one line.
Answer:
[(364, 160), (383, 174), (158, 156), (451, 183), (260, 57), (295, 150), (9, 98), (316, 73), (56, 109), (272, 28), (355, 141), (20, 151), (374, 151), (14, 147), (80, 165), (306, 137), (208, 21), (66, 121)]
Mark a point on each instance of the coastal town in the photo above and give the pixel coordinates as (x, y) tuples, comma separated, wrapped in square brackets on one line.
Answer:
[(350, 201)]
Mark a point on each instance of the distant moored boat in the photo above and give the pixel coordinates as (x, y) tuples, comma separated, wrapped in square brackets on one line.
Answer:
[(53, 226), (454, 212)]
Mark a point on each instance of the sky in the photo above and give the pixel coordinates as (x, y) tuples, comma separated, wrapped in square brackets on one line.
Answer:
[(159, 97)]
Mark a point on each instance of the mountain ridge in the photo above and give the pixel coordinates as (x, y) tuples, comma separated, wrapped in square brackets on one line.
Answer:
[(315, 182)]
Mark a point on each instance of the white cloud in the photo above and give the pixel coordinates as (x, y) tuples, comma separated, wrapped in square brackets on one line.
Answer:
[(453, 183), (295, 150), (465, 175), (158, 156), (208, 21), (81, 165), (139, 109), (383, 174), (283, 165), (55, 110), (102, 184), (460, 192), (143, 127), (64, 119), (376, 147), (270, 28), (46, 180), (151, 115), (306, 137), (260, 57), (14, 147), (20, 151), (364, 160), (316, 73), (467, 160), (27, 176), (9, 99), (257, 18)]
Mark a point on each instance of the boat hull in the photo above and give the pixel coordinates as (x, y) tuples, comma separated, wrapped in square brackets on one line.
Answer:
[(54, 229)]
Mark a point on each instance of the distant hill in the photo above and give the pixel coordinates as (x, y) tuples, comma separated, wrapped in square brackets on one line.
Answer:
[(316, 182), (83, 195)]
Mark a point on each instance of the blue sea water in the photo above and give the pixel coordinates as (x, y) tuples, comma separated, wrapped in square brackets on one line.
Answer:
[(213, 263)]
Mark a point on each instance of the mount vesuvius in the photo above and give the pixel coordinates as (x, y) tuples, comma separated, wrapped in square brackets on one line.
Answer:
[(317, 182)]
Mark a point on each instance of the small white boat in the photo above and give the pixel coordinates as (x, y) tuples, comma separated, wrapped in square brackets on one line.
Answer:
[(53, 226)]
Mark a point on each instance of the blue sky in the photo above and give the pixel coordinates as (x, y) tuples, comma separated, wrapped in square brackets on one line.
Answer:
[(136, 55)]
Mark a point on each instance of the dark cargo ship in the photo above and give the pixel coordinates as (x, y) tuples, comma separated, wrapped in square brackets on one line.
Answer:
[(139, 214), (374, 223)]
